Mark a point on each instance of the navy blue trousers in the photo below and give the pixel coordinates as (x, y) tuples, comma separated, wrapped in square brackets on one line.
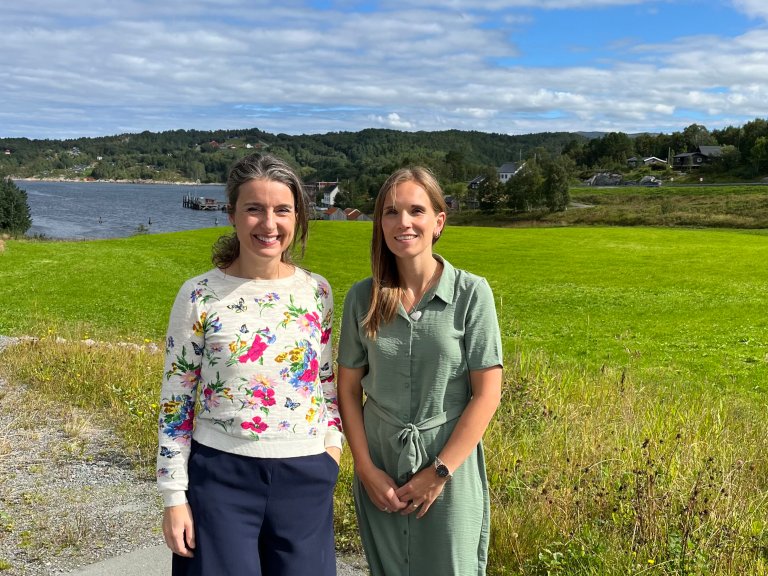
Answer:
[(260, 516)]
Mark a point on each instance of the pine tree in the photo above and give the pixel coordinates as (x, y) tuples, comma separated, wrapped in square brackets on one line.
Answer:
[(14, 210)]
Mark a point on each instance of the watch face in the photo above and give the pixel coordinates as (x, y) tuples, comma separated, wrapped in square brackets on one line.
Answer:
[(442, 471)]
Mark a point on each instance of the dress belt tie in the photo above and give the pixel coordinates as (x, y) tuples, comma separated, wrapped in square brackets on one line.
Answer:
[(407, 443)]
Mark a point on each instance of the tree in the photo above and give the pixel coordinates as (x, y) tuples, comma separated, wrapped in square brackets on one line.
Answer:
[(342, 200), (555, 187), (527, 186), (489, 192), (759, 152), (14, 209), (697, 135)]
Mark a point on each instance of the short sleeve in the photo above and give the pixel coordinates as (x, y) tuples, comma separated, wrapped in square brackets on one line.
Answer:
[(482, 337), (352, 350)]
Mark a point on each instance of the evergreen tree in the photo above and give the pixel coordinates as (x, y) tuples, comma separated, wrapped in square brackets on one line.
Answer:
[(14, 211), (489, 192), (529, 181), (555, 187)]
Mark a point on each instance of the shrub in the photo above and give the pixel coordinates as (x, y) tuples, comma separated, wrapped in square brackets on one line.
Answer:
[(14, 211)]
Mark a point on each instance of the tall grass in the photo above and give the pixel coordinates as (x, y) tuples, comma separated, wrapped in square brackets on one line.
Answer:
[(597, 474), (631, 434)]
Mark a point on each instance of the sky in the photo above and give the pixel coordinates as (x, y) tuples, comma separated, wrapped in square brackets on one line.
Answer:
[(81, 68)]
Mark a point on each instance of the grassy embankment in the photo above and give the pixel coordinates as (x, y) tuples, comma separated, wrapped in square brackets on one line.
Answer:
[(632, 430), (668, 205)]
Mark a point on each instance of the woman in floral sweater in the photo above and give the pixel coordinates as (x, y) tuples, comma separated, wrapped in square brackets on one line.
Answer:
[(250, 436)]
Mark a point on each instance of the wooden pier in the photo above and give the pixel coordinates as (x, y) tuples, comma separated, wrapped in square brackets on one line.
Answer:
[(202, 203)]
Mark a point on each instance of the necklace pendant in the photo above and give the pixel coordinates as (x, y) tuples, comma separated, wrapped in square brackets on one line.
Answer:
[(415, 315)]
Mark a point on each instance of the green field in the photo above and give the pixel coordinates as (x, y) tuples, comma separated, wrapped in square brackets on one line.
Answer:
[(632, 431), (689, 304)]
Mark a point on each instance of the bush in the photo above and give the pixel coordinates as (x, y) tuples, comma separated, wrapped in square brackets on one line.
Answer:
[(14, 209)]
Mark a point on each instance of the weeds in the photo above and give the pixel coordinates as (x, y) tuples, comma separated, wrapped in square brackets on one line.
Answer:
[(596, 474), (590, 473), (116, 385)]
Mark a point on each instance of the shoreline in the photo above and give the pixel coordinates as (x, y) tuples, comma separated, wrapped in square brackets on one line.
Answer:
[(113, 181)]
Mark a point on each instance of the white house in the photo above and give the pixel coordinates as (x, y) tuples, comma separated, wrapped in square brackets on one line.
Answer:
[(509, 169), (329, 194)]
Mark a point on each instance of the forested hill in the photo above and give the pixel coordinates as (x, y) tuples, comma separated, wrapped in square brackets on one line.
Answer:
[(358, 159)]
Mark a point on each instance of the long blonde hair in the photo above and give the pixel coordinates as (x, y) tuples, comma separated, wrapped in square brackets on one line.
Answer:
[(386, 290)]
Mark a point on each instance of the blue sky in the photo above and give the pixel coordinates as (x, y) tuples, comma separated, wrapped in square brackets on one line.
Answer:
[(99, 67)]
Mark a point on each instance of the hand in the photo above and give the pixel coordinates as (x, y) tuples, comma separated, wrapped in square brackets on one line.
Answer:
[(179, 530), (421, 491), (381, 489), (335, 453)]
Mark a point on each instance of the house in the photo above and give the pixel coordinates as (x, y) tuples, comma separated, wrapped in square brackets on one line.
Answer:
[(504, 172), (651, 161), (508, 169), (474, 184), (334, 213), (348, 214), (354, 215), (7, 152), (702, 155), (329, 190), (330, 193)]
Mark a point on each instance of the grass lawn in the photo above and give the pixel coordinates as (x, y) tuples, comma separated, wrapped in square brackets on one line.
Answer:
[(632, 430), (686, 304)]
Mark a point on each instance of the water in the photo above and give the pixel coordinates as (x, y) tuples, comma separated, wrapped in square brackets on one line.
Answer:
[(86, 210)]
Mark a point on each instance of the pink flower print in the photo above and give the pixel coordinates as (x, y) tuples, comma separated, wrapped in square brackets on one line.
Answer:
[(305, 390), (255, 425), (186, 425), (255, 351), (266, 395), (190, 377), (325, 336), (308, 323), (335, 423), (211, 398), (283, 425), (310, 374)]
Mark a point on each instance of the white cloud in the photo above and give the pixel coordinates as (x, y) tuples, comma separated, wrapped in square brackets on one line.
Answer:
[(227, 64), (393, 120), (754, 8)]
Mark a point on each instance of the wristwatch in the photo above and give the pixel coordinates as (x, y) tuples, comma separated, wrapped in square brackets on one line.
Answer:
[(441, 469)]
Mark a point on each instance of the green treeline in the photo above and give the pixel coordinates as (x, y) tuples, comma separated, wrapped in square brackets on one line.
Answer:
[(360, 161)]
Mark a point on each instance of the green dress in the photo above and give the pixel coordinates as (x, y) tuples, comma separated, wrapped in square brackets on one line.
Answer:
[(416, 386)]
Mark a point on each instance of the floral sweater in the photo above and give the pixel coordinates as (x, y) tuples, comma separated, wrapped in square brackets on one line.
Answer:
[(248, 370)]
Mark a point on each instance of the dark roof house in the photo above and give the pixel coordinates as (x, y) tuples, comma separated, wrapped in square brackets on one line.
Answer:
[(702, 155)]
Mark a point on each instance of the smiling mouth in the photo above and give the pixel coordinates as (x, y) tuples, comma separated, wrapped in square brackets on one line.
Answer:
[(406, 237), (267, 239)]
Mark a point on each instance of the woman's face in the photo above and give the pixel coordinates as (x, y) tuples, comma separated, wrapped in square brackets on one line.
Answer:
[(409, 222), (264, 219)]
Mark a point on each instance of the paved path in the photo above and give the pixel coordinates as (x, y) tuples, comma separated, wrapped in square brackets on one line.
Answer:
[(156, 561)]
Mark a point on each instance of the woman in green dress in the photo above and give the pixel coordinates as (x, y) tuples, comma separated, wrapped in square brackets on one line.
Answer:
[(420, 341)]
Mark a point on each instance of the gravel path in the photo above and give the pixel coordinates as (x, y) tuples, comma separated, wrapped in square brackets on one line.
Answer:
[(68, 497)]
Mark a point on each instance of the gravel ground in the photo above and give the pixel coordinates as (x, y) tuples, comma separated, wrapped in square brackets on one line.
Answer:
[(68, 496)]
